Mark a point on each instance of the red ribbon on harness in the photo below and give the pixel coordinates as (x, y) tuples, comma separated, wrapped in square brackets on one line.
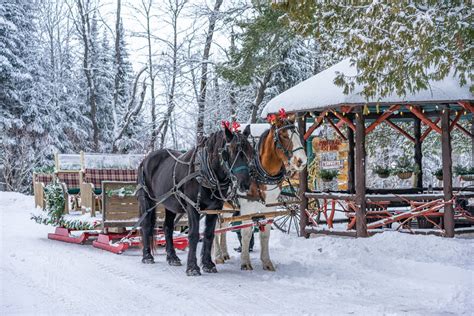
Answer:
[(226, 124), (282, 114)]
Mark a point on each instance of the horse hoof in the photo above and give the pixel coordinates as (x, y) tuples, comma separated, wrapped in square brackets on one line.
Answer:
[(148, 260), (193, 272), (173, 261), (226, 257), (209, 269), (246, 267), (219, 261), (268, 266)]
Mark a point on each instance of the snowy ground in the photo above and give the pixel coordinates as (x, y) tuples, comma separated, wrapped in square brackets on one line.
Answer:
[(387, 274)]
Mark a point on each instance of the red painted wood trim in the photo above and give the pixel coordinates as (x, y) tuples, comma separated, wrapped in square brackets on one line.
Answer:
[(344, 109), (423, 118), (428, 130), (345, 120), (381, 118), (316, 124), (455, 121), (467, 105), (336, 129), (398, 128), (464, 130)]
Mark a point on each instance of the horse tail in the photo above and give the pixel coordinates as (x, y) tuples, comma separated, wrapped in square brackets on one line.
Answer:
[(145, 204)]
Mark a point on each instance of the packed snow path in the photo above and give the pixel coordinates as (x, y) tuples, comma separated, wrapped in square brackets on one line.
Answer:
[(387, 274)]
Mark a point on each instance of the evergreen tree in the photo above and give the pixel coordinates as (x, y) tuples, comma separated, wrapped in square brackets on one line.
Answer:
[(23, 112), (127, 143), (397, 46), (105, 86), (269, 56)]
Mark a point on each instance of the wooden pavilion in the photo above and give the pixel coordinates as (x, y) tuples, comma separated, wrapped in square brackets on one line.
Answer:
[(437, 109)]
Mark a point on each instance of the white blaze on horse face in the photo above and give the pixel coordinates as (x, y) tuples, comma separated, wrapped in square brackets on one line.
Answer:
[(299, 159)]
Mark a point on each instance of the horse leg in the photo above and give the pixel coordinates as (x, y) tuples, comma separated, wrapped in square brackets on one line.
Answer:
[(245, 255), (171, 256), (223, 246), (216, 246), (192, 268), (147, 227), (264, 253), (207, 264)]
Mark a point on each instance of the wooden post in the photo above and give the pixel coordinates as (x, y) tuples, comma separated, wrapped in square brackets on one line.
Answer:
[(350, 161), (360, 186), (472, 141), (447, 173), (418, 153), (303, 179)]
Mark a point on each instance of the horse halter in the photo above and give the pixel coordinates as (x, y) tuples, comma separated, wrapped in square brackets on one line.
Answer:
[(276, 138), (230, 168)]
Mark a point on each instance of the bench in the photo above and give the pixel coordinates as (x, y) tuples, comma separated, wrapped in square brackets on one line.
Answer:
[(40, 181), (91, 185)]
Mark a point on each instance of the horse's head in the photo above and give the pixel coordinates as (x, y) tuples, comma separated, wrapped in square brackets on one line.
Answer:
[(288, 146), (237, 155)]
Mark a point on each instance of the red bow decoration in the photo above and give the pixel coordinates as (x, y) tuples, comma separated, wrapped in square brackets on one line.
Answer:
[(282, 114), (235, 126), (225, 124), (271, 118)]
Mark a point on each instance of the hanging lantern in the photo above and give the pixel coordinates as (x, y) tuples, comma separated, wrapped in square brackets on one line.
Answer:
[(366, 110)]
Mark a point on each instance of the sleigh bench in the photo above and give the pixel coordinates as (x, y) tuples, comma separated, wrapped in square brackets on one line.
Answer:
[(91, 185), (40, 181)]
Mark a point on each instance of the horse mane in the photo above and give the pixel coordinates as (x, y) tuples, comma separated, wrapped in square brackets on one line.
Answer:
[(214, 142)]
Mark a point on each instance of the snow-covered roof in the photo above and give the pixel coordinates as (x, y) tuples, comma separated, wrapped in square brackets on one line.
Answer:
[(319, 92), (256, 129)]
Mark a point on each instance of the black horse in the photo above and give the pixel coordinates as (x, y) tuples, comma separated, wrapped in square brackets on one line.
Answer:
[(202, 178)]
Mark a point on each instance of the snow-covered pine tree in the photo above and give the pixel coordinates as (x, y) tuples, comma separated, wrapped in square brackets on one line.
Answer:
[(267, 48), (104, 77), (23, 112), (396, 45), (124, 81)]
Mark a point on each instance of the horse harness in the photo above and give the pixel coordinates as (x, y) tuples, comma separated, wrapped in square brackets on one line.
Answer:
[(259, 173), (204, 175)]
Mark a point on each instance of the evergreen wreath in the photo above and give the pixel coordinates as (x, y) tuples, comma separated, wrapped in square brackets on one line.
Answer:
[(55, 202)]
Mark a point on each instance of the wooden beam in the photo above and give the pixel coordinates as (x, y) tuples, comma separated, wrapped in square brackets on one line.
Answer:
[(360, 185), (423, 118), (428, 130), (350, 161), (345, 120), (467, 105), (317, 122), (465, 131), (346, 110), (303, 182), (418, 152), (336, 129), (381, 118), (447, 173), (399, 129), (455, 121)]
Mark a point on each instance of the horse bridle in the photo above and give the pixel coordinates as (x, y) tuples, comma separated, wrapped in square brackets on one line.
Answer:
[(278, 143), (224, 156)]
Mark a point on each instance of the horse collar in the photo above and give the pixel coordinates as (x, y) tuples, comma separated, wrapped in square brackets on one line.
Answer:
[(261, 175)]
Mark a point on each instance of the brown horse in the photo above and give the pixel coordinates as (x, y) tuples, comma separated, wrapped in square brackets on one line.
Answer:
[(279, 150)]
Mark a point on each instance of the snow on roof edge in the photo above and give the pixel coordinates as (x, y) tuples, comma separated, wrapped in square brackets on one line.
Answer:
[(319, 92)]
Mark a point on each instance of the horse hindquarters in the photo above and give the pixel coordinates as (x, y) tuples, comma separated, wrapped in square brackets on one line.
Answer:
[(147, 226)]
